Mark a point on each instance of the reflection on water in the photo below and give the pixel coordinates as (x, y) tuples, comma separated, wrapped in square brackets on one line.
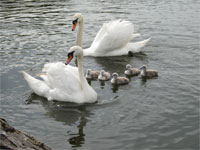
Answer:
[(68, 113), (115, 88), (144, 79), (117, 63), (102, 84), (78, 139), (161, 113)]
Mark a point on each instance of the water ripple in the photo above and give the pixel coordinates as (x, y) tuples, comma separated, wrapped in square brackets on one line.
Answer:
[(160, 113)]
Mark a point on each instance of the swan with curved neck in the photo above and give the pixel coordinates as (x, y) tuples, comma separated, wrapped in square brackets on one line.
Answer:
[(113, 39), (78, 19), (64, 82)]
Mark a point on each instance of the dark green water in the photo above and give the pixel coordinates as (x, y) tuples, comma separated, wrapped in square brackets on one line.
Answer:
[(160, 113)]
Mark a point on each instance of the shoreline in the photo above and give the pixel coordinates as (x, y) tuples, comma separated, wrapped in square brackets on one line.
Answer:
[(12, 139)]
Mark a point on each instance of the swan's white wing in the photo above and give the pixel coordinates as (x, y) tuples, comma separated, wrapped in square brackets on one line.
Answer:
[(60, 76), (132, 47), (45, 79), (66, 84), (112, 35), (137, 46), (60, 82), (135, 35), (38, 86)]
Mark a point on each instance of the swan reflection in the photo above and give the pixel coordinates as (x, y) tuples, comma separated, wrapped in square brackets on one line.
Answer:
[(115, 88), (68, 113), (77, 140), (102, 84)]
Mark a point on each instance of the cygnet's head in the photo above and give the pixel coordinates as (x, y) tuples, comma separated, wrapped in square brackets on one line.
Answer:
[(102, 72), (143, 67), (115, 75), (76, 19), (128, 66), (88, 72), (74, 51)]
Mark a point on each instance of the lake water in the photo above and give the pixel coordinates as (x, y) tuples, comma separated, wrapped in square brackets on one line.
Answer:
[(161, 113)]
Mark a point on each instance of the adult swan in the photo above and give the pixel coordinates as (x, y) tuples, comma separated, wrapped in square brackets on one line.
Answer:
[(64, 83), (113, 39)]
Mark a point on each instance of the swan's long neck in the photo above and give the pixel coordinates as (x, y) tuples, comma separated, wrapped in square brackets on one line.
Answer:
[(80, 33), (80, 69)]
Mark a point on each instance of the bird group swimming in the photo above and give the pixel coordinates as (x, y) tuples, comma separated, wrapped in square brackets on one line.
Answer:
[(64, 82), (119, 80)]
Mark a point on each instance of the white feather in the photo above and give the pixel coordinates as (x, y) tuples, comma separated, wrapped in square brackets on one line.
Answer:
[(113, 39), (63, 82)]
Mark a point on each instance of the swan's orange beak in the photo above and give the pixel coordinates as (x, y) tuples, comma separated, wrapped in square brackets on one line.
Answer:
[(74, 26), (68, 59)]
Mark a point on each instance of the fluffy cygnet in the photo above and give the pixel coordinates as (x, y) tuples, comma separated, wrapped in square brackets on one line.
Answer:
[(92, 75), (119, 80), (131, 71), (104, 76), (148, 73)]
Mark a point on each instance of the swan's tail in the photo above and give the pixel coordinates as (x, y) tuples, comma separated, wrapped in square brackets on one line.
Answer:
[(137, 46), (39, 87), (135, 35)]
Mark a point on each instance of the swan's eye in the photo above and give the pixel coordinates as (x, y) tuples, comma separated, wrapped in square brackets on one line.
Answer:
[(70, 54), (75, 21)]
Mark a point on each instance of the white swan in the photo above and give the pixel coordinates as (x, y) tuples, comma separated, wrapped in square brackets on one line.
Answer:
[(113, 39), (64, 83)]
